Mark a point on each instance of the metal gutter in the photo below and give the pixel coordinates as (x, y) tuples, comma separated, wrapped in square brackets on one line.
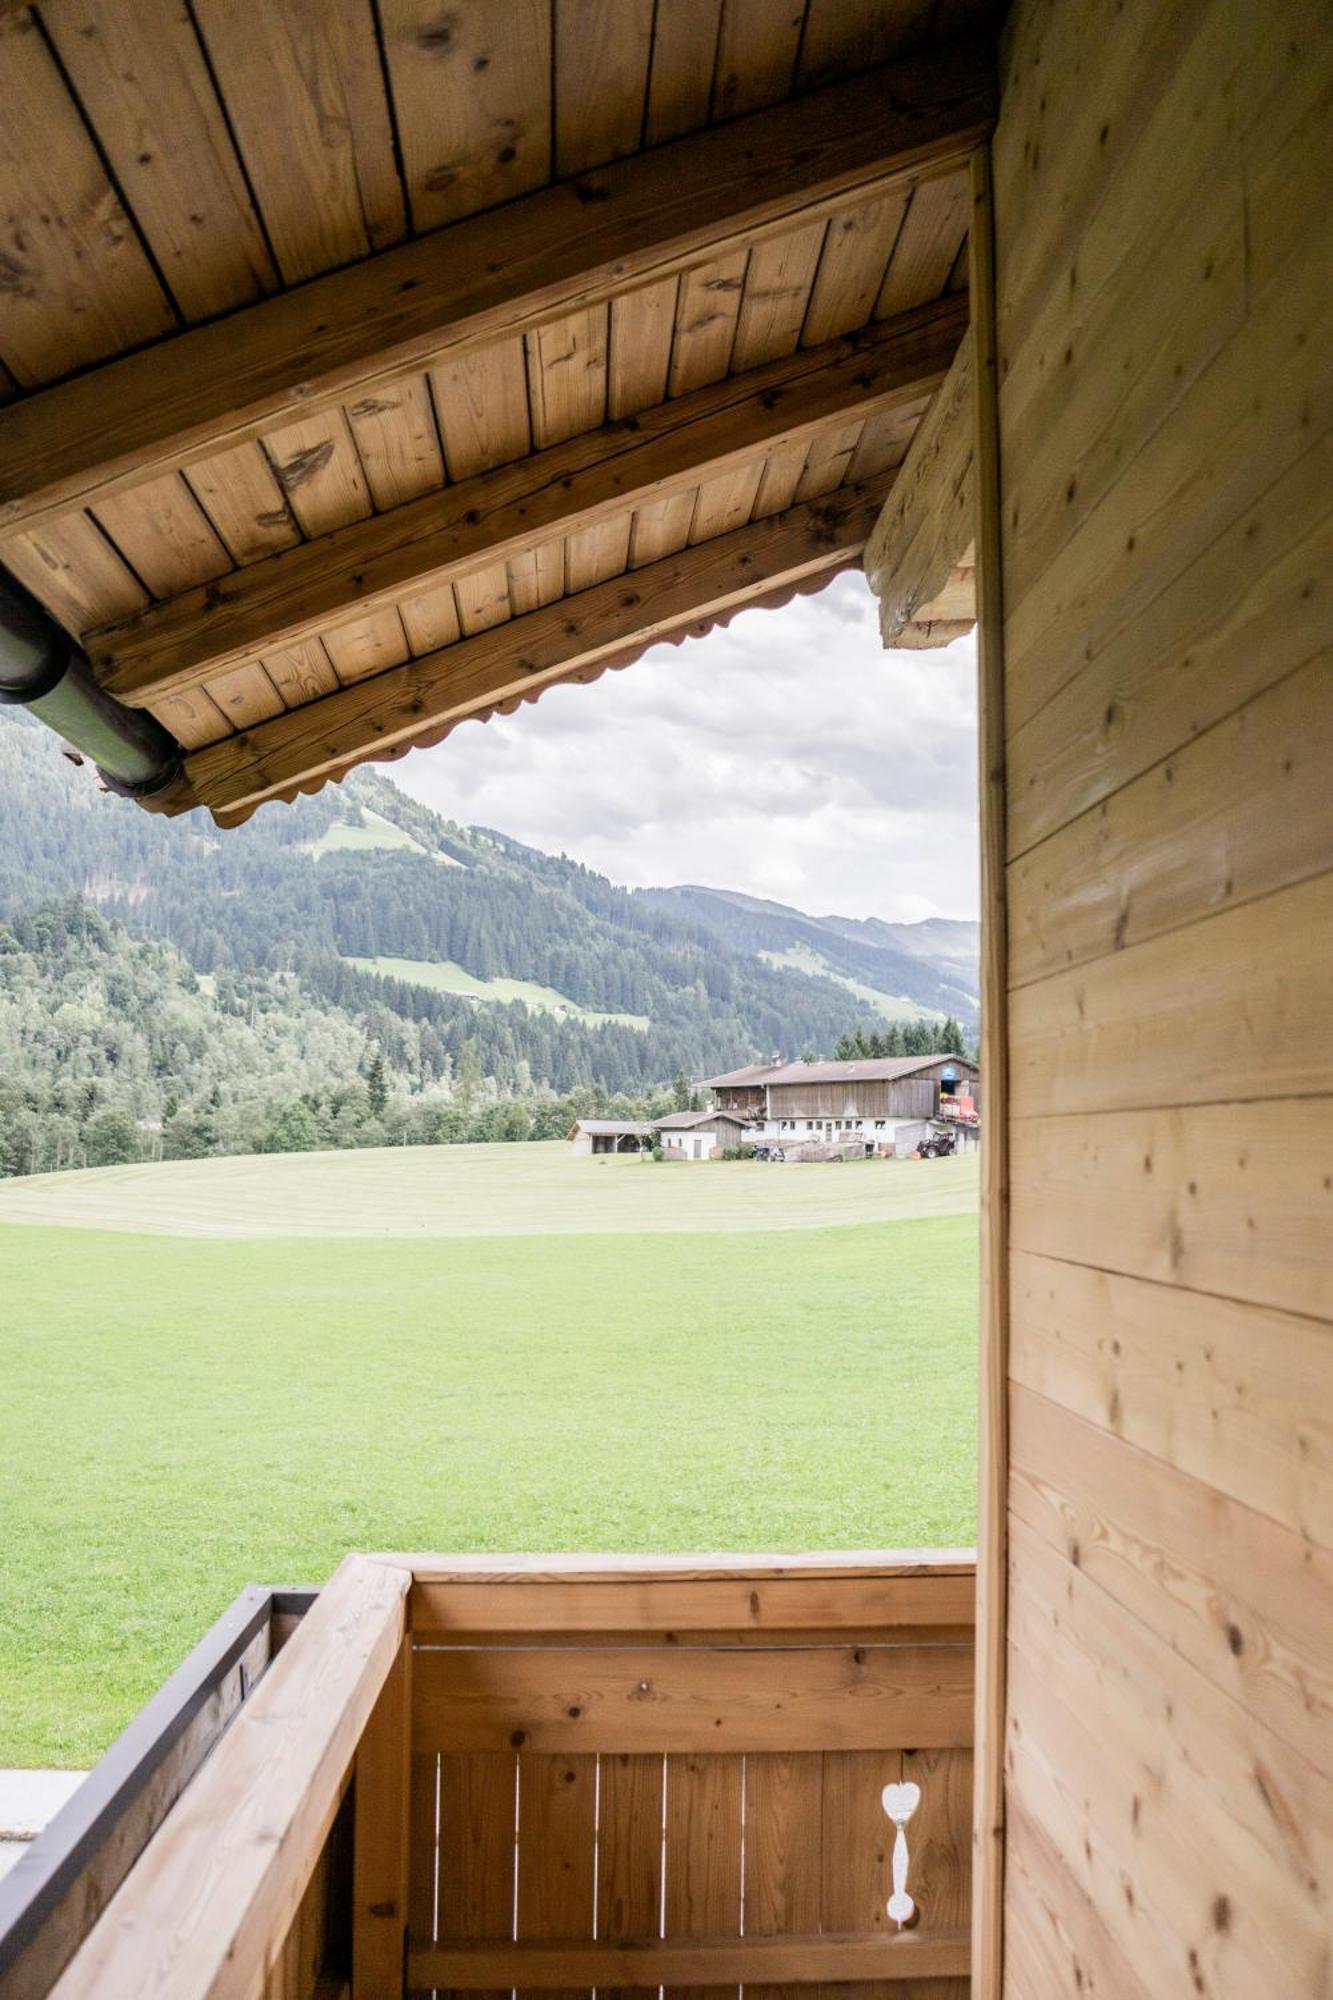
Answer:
[(45, 671)]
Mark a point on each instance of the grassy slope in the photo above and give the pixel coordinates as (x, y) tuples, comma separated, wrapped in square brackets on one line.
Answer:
[(374, 831), (443, 976), (483, 1191), (185, 1416), (891, 1005)]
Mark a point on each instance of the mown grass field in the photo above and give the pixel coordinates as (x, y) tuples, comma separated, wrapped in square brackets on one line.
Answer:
[(187, 1412)]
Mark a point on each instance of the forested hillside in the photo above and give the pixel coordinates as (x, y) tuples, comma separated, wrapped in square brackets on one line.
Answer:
[(353, 969), (903, 968)]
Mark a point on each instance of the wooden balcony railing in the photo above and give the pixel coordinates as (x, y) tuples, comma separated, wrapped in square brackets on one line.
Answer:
[(568, 1775)]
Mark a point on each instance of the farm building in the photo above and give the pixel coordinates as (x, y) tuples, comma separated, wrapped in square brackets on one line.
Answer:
[(610, 1135), (878, 1100), (331, 424), (700, 1135)]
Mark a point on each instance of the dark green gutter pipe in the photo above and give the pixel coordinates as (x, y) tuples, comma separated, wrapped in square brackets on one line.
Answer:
[(45, 671)]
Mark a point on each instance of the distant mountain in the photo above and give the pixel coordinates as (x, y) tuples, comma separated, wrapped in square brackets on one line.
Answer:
[(904, 971), (359, 939)]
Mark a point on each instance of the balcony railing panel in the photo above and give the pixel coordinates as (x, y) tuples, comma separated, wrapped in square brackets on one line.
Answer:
[(574, 1776)]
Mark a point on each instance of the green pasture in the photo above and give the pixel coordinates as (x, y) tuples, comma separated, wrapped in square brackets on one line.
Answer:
[(443, 976), (188, 1412)]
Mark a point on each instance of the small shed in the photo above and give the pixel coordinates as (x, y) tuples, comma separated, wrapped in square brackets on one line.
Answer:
[(610, 1135), (700, 1135)]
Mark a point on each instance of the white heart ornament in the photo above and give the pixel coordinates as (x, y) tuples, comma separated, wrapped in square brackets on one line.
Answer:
[(900, 1802)]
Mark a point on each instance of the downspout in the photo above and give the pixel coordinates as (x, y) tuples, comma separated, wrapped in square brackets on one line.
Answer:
[(45, 671)]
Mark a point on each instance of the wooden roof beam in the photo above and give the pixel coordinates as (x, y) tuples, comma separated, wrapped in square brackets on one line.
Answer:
[(610, 624), (501, 514), (917, 559), (540, 257)]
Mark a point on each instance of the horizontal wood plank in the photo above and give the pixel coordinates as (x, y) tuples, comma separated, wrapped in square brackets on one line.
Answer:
[(822, 1959), (545, 256), (501, 514), (610, 620), (1232, 1008), (599, 1567), (692, 1699), (1243, 809), (1244, 1600), (1055, 1941), (1185, 1746), (1232, 1199), (1218, 1389), (715, 1604)]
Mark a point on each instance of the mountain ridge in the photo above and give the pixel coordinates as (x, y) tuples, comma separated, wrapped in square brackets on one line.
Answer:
[(381, 931)]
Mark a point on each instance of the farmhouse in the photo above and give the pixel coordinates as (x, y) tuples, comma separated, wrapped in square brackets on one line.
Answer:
[(886, 1102), (332, 425), (700, 1135)]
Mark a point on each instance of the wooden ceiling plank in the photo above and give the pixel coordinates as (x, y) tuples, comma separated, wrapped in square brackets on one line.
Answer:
[(680, 86), (193, 718), (567, 376), (143, 82), (305, 93), (245, 696), (431, 619), (367, 646), (500, 513), (601, 80), (472, 96), (845, 35), (537, 577), (481, 401), (164, 535), (852, 270), (661, 527), (725, 503), (778, 284), (642, 325), (301, 673), (242, 498), (932, 234), (827, 460), (756, 54), (72, 569), (77, 285), (483, 599), (548, 254), (706, 315), (320, 472), (780, 478), (884, 442), (595, 555), (409, 702), (397, 442)]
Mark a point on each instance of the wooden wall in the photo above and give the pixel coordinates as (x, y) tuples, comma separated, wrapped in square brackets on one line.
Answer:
[(908, 1097), (1164, 238)]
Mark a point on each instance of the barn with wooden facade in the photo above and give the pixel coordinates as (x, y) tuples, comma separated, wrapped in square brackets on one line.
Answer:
[(372, 365), (869, 1088)]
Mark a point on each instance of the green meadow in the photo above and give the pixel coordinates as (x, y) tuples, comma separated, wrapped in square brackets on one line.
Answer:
[(231, 1371)]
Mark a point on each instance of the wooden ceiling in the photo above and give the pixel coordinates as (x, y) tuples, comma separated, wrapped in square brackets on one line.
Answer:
[(371, 364)]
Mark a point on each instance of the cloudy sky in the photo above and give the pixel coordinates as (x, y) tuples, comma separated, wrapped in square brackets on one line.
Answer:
[(789, 756)]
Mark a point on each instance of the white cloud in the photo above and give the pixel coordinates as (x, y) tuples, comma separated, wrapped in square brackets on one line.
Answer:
[(788, 756)]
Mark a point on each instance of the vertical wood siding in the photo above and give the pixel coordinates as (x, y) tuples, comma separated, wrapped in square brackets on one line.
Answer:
[(1164, 234)]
